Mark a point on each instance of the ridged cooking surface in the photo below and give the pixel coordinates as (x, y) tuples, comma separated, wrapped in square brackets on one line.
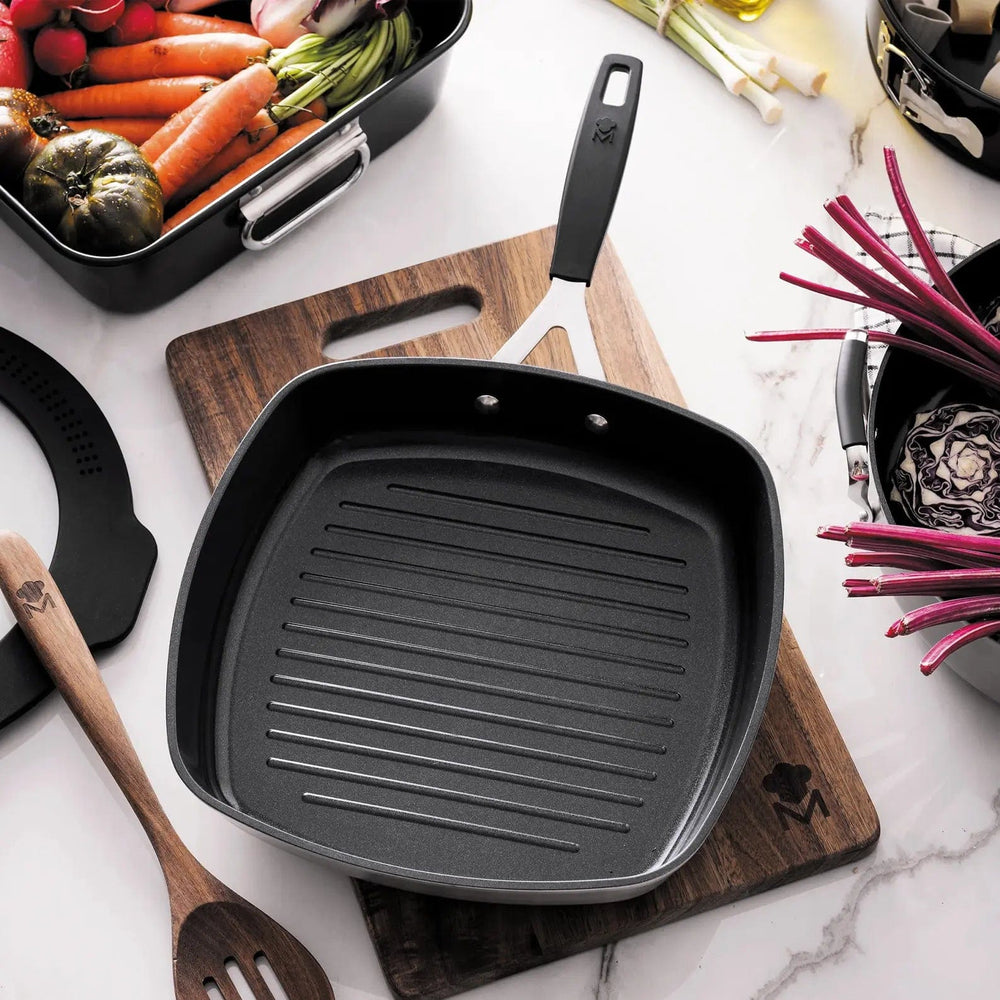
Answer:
[(478, 669)]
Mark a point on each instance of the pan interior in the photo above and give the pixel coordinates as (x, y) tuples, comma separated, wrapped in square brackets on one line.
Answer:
[(493, 651)]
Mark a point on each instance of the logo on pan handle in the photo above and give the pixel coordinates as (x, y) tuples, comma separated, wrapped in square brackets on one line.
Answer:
[(790, 783), (604, 131), (33, 598)]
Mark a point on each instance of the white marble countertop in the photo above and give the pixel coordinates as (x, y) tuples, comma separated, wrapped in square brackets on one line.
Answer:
[(710, 205)]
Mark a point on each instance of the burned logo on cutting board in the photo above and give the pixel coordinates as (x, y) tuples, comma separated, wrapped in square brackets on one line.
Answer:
[(604, 130), (790, 782), (33, 597)]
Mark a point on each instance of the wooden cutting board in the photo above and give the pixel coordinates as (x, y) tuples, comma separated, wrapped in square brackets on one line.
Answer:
[(800, 807)]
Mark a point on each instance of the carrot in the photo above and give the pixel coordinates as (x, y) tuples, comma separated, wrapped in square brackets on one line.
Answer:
[(253, 139), (232, 107), (136, 130), (234, 178), (153, 98), (156, 144), (311, 112), (168, 24), (220, 55)]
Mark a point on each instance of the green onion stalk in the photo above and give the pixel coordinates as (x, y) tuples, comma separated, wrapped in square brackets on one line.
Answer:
[(746, 67), (344, 68)]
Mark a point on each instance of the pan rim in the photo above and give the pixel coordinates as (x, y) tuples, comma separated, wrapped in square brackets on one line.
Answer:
[(691, 835)]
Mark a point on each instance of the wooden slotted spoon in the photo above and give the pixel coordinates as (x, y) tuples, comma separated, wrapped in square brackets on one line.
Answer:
[(212, 925)]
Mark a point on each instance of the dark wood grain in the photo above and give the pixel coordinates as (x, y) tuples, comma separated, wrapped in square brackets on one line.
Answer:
[(431, 948), (211, 923)]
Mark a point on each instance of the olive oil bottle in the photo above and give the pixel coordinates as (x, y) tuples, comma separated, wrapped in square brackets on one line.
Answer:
[(745, 10)]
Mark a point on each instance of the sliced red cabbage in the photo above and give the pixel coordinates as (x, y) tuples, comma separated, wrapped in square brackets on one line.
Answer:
[(949, 473)]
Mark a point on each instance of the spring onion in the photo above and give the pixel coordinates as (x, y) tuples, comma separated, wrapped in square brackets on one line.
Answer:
[(746, 67), (344, 68)]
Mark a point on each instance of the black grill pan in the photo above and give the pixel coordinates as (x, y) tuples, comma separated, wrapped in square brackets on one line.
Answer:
[(479, 629)]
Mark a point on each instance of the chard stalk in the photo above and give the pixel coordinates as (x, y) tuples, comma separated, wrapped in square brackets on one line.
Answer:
[(945, 612), (940, 651)]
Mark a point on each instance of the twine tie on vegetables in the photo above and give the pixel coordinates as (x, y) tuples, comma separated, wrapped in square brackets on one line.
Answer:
[(664, 10)]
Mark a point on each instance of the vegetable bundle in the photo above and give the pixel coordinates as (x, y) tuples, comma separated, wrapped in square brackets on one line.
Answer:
[(746, 67), (938, 322), (963, 570)]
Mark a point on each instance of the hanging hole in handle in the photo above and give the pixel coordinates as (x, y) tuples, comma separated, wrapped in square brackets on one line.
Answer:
[(616, 89)]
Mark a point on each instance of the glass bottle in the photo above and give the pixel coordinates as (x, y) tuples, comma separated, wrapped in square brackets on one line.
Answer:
[(745, 10)]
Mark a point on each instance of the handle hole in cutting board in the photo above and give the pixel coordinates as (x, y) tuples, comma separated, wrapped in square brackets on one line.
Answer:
[(402, 323)]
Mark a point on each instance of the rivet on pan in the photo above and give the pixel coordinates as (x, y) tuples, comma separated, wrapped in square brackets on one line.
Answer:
[(487, 404), (596, 423)]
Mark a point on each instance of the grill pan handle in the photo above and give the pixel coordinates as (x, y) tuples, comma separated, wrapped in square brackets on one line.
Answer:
[(595, 173)]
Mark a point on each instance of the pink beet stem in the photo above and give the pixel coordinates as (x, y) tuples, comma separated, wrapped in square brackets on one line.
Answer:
[(938, 582), (778, 336), (834, 532), (933, 300), (937, 273), (849, 267), (862, 591), (977, 373), (940, 651), (952, 559), (861, 560), (971, 371), (956, 610), (891, 297), (930, 537), (855, 213), (903, 315)]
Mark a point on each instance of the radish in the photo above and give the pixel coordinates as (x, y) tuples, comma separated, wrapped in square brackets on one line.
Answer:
[(137, 24), (30, 14), (98, 15), (60, 50), (15, 62)]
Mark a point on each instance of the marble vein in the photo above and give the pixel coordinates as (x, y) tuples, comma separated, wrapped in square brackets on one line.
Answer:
[(603, 986), (839, 933), (856, 144)]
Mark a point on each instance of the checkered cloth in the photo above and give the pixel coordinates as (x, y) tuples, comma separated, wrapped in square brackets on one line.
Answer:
[(950, 250)]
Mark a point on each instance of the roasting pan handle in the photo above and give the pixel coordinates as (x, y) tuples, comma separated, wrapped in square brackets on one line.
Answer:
[(852, 406), (349, 142), (851, 370), (595, 173)]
